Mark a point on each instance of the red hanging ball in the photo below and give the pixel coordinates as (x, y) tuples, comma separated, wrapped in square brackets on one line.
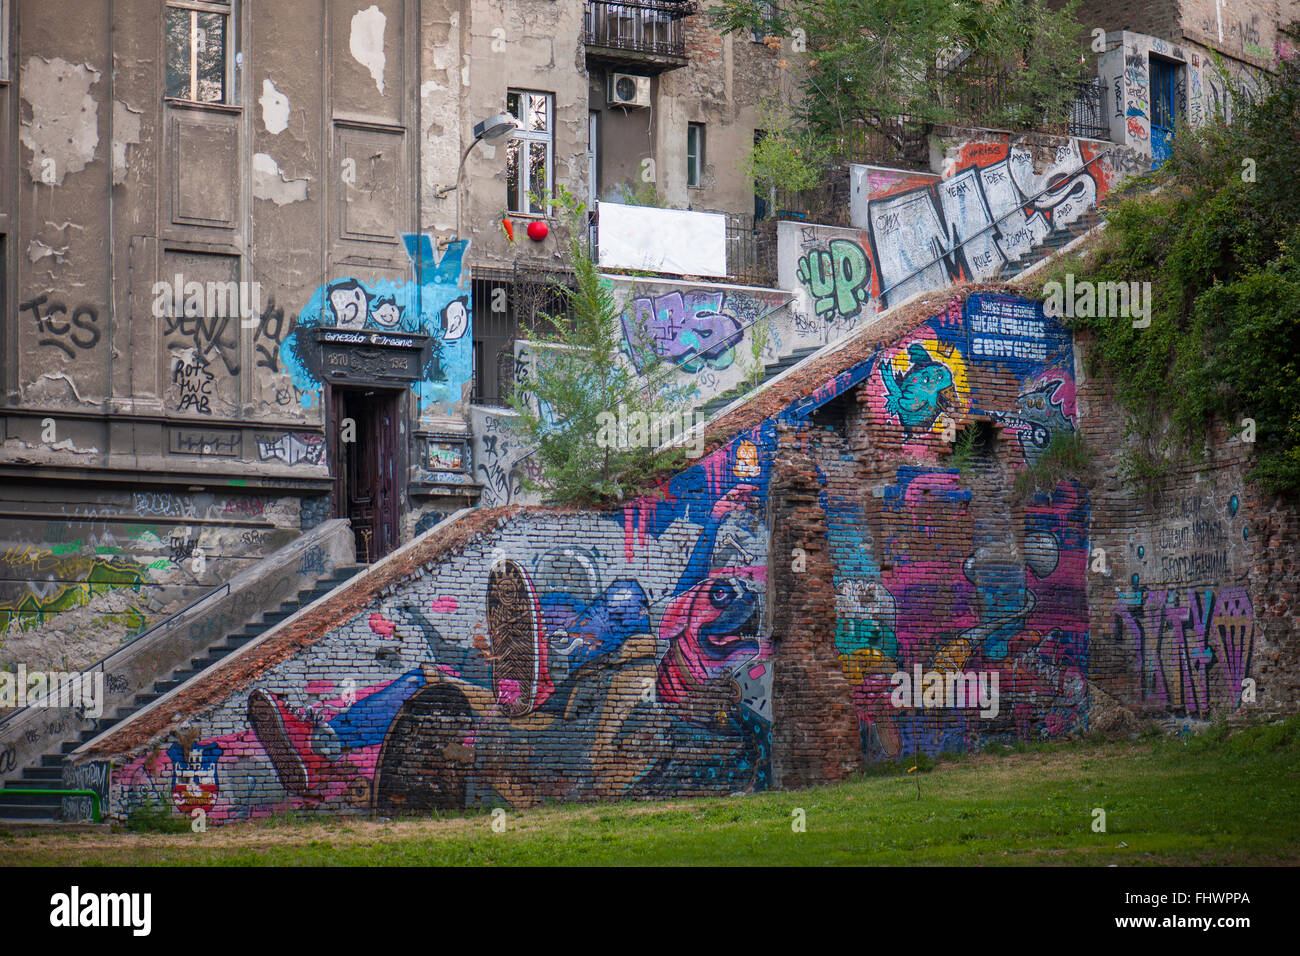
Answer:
[(538, 230)]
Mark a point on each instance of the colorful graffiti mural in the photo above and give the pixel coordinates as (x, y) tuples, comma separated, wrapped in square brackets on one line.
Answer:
[(632, 662), (1193, 645), (91, 577), (437, 303), (989, 214), (695, 329), (569, 655), (937, 576)]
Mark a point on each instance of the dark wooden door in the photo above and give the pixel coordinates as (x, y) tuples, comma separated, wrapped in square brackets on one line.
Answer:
[(364, 446)]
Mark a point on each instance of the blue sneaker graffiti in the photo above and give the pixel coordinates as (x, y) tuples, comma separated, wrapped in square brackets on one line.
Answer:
[(437, 304)]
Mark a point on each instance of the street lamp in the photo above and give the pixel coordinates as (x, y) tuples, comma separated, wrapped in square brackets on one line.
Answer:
[(489, 130)]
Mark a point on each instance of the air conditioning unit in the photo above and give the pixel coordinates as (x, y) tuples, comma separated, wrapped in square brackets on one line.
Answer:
[(628, 90)]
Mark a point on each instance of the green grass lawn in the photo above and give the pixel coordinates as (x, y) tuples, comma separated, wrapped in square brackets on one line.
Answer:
[(1214, 799)]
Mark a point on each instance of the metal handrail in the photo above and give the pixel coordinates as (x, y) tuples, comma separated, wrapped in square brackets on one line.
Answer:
[(94, 797), (938, 259), (168, 623)]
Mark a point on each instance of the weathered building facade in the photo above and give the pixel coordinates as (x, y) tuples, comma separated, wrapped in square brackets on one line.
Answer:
[(265, 267), (1173, 62), (237, 244)]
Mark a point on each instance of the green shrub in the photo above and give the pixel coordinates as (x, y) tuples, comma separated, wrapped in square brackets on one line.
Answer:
[(1220, 244), (155, 816)]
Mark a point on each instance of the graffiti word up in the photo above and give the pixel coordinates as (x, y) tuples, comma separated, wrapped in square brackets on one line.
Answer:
[(838, 277)]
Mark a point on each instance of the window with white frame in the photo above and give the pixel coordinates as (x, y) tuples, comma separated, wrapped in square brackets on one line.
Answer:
[(530, 151), (694, 154), (200, 52)]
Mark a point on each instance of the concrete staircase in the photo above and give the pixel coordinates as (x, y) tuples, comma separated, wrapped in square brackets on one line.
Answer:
[(1053, 244), (154, 671), (770, 371)]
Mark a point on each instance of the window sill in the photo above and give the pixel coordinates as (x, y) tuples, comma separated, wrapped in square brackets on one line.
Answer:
[(197, 105)]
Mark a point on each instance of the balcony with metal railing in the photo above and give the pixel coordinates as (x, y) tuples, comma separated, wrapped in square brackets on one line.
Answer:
[(648, 35)]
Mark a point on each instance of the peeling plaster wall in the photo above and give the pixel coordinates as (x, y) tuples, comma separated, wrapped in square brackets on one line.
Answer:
[(62, 132), (535, 45), (722, 88)]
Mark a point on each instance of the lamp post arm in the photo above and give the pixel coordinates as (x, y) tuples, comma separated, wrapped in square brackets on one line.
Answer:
[(460, 169)]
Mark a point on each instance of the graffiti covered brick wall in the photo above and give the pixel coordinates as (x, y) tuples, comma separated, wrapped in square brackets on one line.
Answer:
[(939, 575), (570, 656), (1191, 582), (551, 654)]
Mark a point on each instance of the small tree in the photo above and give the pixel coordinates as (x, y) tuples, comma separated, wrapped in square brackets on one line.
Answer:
[(578, 379), (785, 157)]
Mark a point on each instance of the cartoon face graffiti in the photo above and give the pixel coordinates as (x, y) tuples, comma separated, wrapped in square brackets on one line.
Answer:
[(350, 304), (746, 460), (917, 396), (194, 777), (1040, 414), (455, 319), (387, 313)]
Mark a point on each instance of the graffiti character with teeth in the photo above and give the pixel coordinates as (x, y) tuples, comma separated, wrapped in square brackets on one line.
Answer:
[(917, 396), (569, 665)]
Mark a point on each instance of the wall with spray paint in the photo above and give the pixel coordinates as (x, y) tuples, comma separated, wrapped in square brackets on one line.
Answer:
[(1192, 580), (563, 655), (523, 654), (1199, 90), (710, 333), (80, 579), (938, 573), (436, 303), (998, 205)]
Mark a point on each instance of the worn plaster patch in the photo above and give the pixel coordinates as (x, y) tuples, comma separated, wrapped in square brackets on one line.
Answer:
[(56, 387), (37, 250), (270, 183), (275, 108), (126, 132), (367, 42), (63, 131)]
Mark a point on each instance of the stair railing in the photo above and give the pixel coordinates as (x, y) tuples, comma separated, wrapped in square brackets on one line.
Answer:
[(166, 624), (671, 367)]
